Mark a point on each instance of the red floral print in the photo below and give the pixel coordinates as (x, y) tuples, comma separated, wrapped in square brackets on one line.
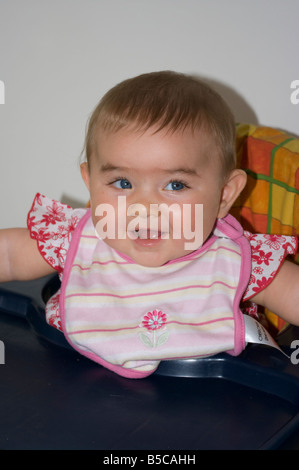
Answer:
[(257, 270), (52, 312), (52, 224), (54, 214), (268, 253), (262, 257), (274, 241), (261, 284)]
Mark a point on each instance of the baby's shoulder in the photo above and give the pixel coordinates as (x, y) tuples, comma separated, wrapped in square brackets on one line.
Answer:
[(268, 253), (51, 224)]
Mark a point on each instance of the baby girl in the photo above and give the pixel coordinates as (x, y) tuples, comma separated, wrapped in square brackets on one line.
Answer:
[(160, 168)]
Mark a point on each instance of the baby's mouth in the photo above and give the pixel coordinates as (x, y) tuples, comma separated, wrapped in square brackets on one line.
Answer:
[(147, 234)]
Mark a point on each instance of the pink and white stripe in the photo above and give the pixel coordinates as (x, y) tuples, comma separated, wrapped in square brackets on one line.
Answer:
[(105, 296)]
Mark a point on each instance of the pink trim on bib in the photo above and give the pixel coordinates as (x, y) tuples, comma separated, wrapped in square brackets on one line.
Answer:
[(235, 231)]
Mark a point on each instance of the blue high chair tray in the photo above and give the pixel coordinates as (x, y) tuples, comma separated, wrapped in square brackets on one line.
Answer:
[(53, 398)]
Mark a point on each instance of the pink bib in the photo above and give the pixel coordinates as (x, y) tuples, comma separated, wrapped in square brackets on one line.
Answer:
[(128, 317)]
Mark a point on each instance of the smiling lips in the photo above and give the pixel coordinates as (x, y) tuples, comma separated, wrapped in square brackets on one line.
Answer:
[(146, 234), (146, 237)]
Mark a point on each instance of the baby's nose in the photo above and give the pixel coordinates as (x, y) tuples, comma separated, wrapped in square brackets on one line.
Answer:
[(144, 211)]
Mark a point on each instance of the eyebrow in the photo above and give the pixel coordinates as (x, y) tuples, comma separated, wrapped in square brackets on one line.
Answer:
[(108, 167), (187, 171)]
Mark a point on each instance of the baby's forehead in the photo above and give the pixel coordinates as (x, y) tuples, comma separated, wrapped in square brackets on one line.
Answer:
[(202, 135), (185, 148)]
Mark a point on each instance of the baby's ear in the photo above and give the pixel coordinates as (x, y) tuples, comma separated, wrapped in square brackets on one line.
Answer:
[(85, 173), (233, 186)]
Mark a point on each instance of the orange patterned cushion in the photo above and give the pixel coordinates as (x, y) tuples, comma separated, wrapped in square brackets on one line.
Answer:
[(270, 200)]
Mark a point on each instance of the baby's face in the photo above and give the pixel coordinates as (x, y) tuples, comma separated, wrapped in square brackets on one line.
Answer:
[(139, 177)]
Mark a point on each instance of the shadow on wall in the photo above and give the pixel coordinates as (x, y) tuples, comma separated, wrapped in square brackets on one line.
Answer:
[(241, 109), (73, 202), (238, 105)]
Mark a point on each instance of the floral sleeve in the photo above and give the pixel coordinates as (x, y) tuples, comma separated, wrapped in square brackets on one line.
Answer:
[(51, 224), (268, 253)]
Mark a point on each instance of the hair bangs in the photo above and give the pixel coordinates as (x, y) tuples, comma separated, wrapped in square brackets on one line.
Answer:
[(165, 100)]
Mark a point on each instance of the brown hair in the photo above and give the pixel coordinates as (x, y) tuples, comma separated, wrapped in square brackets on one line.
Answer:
[(166, 99)]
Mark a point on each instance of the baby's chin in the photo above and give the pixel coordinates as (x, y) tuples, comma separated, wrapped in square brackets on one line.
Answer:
[(149, 253), (151, 263), (147, 257)]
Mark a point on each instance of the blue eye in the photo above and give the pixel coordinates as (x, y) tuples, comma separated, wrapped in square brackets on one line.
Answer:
[(175, 186), (122, 183)]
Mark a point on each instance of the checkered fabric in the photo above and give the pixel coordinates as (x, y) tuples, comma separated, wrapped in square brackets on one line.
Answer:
[(270, 200)]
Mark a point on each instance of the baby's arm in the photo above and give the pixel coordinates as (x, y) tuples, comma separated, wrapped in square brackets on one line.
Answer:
[(282, 295), (20, 259)]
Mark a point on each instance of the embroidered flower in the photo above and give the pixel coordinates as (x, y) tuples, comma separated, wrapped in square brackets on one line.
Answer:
[(154, 321)]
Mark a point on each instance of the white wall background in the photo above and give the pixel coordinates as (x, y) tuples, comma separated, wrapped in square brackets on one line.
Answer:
[(58, 57)]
